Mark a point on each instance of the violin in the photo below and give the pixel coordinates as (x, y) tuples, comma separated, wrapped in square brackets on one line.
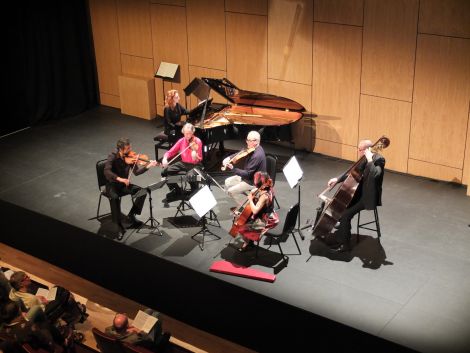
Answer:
[(136, 158), (242, 154)]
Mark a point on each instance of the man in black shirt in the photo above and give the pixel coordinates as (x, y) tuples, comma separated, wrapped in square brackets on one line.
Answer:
[(117, 172), (242, 181)]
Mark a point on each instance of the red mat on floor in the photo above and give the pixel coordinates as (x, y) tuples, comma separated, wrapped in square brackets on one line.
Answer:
[(229, 268)]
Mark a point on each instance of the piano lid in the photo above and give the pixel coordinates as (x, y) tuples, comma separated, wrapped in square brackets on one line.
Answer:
[(239, 96)]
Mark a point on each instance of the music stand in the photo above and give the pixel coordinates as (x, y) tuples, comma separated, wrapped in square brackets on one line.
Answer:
[(201, 90), (166, 71), (153, 222), (202, 202), (294, 174), (209, 180)]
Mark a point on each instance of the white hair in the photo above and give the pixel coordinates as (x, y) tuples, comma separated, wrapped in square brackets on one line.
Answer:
[(188, 126), (254, 135)]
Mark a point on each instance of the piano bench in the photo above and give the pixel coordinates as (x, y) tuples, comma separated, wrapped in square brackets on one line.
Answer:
[(161, 143)]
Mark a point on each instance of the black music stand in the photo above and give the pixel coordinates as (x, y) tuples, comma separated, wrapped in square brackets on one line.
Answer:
[(201, 90), (203, 202), (294, 174), (153, 222)]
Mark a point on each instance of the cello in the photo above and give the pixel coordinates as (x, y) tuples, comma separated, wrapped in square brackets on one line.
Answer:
[(334, 207)]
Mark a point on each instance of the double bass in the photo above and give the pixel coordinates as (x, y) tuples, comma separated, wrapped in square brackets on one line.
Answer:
[(334, 207)]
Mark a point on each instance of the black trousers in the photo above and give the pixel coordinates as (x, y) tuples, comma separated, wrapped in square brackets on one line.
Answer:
[(343, 234), (117, 190), (178, 167)]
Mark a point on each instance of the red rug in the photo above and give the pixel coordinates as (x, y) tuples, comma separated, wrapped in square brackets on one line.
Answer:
[(229, 268)]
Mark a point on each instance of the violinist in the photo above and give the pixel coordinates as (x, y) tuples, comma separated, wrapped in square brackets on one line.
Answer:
[(117, 171), (263, 218), (243, 180), (190, 149), (367, 196)]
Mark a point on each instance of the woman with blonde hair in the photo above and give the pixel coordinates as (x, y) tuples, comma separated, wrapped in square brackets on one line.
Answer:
[(172, 112)]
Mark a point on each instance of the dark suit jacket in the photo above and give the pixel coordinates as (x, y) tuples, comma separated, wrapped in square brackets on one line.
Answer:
[(370, 186)]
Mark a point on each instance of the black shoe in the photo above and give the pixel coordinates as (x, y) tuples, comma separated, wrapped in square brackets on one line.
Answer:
[(135, 223), (174, 195), (165, 203), (341, 248)]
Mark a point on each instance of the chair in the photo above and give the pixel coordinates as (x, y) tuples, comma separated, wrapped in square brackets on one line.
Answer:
[(106, 343), (284, 229), (271, 167), (101, 185), (366, 224), (165, 142)]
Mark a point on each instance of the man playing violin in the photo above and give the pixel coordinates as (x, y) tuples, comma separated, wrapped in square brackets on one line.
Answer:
[(242, 181), (189, 147), (367, 196), (117, 171)]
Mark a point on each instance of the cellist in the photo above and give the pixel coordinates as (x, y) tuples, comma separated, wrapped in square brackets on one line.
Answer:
[(367, 196), (263, 217), (242, 181)]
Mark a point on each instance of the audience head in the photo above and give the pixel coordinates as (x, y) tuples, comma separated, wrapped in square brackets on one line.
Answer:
[(19, 280), (172, 97), (253, 139), (10, 311), (120, 322)]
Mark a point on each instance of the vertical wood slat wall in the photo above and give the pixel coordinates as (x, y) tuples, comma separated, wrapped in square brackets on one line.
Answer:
[(365, 67)]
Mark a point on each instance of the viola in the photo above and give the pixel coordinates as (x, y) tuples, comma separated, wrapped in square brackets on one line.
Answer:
[(133, 157), (242, 154)]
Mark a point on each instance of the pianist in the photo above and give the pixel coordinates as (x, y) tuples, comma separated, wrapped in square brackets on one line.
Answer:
[(238, 185), (172, 114), (189, 148)]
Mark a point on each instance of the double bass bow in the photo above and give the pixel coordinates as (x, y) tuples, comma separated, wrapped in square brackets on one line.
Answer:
[(334, 207)]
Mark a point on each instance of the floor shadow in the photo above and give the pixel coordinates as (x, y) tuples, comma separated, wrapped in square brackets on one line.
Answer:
[(248, 258), (368, 249)]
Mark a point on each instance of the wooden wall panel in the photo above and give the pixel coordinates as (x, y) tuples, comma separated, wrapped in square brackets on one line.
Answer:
[(104, 25), (110, 100), (134, 27), (381, 116), (335, 149), (169, 2), (247, 51), (389, 48), (196, 71), (441, 98), (170, 44), (445, 17), (339, 11), (302, 130), (466, 164), (138, 66), (206, 33), (137, 96), (434, 171), (254, 7), (290, 27), (336, 82)]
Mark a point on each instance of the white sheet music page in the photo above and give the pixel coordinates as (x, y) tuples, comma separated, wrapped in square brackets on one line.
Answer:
[(144, 321)]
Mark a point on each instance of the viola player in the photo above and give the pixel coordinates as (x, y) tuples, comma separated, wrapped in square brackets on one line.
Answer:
[(117, 172), (367, 196), (190, 149), (243, 181)]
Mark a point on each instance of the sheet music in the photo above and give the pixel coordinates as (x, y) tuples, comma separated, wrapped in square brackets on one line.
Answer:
[(144, 321), (8, 274), (49, 294)]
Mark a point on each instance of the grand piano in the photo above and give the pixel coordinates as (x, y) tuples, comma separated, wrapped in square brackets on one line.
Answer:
[(268, 114)]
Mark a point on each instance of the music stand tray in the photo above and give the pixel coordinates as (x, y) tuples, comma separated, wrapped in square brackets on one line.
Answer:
[(202, 202)]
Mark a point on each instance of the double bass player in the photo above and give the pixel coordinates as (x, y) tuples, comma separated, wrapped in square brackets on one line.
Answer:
[(367, 196)]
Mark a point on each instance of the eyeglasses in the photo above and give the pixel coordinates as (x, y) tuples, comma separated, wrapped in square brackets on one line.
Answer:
[(252, 140)]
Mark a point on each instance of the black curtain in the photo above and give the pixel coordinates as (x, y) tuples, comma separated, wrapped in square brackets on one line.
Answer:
[(51, 72)]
